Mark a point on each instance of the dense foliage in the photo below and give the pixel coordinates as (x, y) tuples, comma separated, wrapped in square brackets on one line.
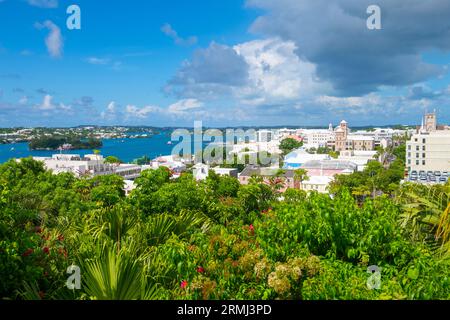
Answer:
[(53, 143), (217, 239)]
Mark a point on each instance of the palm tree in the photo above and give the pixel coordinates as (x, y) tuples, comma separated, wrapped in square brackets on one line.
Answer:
[(426, 213), (301, 175), (117, 276)]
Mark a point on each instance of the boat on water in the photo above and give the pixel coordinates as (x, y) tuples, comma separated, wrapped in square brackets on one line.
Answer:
[(169, 143), (12, 149)]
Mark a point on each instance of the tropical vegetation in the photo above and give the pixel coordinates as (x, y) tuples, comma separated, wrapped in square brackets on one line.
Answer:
[(217, 239)]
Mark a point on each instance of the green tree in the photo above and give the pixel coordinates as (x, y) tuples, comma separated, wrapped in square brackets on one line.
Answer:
[(289, 144), (113, 160)]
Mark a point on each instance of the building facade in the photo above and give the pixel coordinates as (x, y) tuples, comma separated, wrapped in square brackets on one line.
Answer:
[(429, 148)]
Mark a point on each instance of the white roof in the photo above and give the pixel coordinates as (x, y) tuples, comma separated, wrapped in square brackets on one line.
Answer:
[(300, 156), (321, 180)]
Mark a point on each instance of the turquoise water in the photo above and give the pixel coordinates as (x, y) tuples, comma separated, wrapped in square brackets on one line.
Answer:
[(127, 151)]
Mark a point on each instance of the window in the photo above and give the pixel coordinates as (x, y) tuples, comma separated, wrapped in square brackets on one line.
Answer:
[(409, 147), (423, 155), (423, 162), (424, 140), (417, 155), (409, 161), (409, 154), (424, 148), (417, 162), (415, 140), (417, 148)]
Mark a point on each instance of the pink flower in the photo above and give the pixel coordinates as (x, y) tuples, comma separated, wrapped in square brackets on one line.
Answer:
[(46, 250), (200, 270), (251, 228), (184, 284)]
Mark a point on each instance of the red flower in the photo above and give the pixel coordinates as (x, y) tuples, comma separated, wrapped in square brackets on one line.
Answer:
[(46, 250), (63, 252), (60, 237), (27, 253), (41, 294), (251, 228), (200, 270), (38, 229), (46, 274), (184, 284)]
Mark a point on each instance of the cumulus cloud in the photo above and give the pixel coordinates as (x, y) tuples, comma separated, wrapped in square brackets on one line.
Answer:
[(44, 3), (54, 39), (110, 113), (354, 59), (183, 106), (47, 105), (170, 32), (276, 73), (210, 71)]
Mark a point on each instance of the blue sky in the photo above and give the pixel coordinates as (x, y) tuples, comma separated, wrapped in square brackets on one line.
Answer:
[(234, 62)]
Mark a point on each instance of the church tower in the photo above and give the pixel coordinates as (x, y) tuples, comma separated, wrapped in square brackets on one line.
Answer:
[(430, 122)]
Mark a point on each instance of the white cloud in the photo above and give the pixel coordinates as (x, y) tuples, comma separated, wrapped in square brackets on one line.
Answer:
[(170, 32), (98, 61), (276, 73), (47, 103), (54, 40), (23, 100), (48, 106), (142, 113), (110, 113), (114, 65), (44, 3), (183, 106)]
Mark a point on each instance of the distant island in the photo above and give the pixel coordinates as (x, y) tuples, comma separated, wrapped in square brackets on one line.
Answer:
[(66, 143)]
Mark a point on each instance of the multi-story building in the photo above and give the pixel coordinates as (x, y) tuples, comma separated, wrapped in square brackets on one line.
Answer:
[(315, 138), (348, 141), (429, 149), (88, 165)]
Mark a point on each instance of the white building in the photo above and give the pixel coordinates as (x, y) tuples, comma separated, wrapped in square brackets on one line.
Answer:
[(315, 138), (175, 164), (200, 171), (232, 172), (429, 148), (89, 165), (360, 158), (297, 158), (317, 183), (429, 151)]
